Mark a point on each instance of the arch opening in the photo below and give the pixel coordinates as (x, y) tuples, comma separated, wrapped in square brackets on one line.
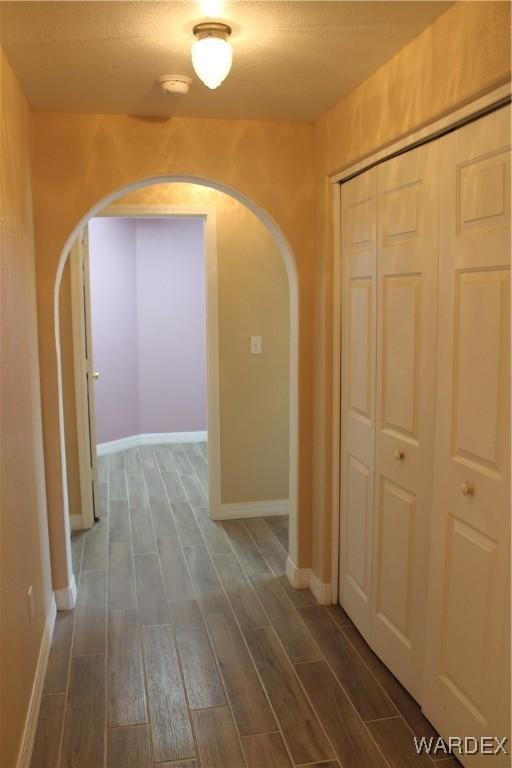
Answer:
[(289, 263)]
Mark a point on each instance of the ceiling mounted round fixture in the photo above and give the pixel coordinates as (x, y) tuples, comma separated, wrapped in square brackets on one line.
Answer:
[(212, 55), (175, 84)]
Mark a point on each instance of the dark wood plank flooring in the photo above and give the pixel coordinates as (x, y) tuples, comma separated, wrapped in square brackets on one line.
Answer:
[(188, 647)]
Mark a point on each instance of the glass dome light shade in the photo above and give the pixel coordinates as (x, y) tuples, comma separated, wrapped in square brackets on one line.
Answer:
[(212, 58)]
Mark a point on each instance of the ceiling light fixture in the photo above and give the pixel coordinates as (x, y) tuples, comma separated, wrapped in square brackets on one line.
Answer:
[(212, 55)]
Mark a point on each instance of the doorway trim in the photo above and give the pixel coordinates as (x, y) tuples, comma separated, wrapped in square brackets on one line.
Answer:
[(209, 216), (67, 595), (455, 119), (80, 330)]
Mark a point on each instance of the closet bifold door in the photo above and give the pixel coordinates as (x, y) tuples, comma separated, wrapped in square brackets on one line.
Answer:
[(407, 201), (358, 245), (467, 660)]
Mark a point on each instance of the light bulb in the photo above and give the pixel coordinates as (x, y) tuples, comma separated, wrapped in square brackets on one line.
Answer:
[(212, 55)]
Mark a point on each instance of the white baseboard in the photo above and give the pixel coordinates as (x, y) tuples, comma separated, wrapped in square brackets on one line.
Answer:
[(303, 578), (102, 449), (150, 438), (298, 577), (29, 731), (321, 590), (163, 438), (66, 598), (76, 522), (253, 509)]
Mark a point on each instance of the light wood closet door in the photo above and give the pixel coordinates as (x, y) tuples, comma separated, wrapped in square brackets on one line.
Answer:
[(358, 222), (468, 643), (407, 201)]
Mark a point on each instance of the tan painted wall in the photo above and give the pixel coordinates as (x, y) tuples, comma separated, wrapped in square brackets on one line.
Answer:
[(462, 55), (254, 390), (24, 556), (78, 159)]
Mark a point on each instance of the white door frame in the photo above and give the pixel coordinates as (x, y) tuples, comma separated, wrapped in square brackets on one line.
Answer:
[(208, 214), (81, 381), (492, 100)]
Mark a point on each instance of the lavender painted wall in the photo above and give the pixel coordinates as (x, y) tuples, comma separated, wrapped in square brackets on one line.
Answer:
[(112, 264), (171, 325), (149, 326)]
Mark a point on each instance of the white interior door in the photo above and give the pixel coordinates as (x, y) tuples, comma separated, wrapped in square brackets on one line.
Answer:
[(467, 672), (358, 226), (407, 201), (84, 378)]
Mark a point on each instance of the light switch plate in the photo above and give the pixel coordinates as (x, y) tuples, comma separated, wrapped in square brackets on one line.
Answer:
[(255, 345)]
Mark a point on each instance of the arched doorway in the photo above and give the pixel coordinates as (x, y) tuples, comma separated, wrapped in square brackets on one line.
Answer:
[(289, 264)]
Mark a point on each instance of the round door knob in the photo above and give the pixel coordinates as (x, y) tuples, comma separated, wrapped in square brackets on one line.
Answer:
[(96, 375), (466, 489), (399, 455)]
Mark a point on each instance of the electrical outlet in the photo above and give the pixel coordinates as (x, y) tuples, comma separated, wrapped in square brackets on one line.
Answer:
[(255, 345), (30, 604)]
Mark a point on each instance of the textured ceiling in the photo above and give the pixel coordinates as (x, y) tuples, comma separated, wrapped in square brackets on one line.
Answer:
[(292, 60)]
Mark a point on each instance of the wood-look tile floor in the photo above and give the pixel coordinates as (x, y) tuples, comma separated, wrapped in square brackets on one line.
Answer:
[(188, 648)]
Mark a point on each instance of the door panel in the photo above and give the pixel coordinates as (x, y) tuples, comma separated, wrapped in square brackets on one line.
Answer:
[(467, 669), (393, 604), (357, 530), (358, 395), (483, 196), (478, 423), (359, 362), (469, 575), (406, 323), (401, 331)]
